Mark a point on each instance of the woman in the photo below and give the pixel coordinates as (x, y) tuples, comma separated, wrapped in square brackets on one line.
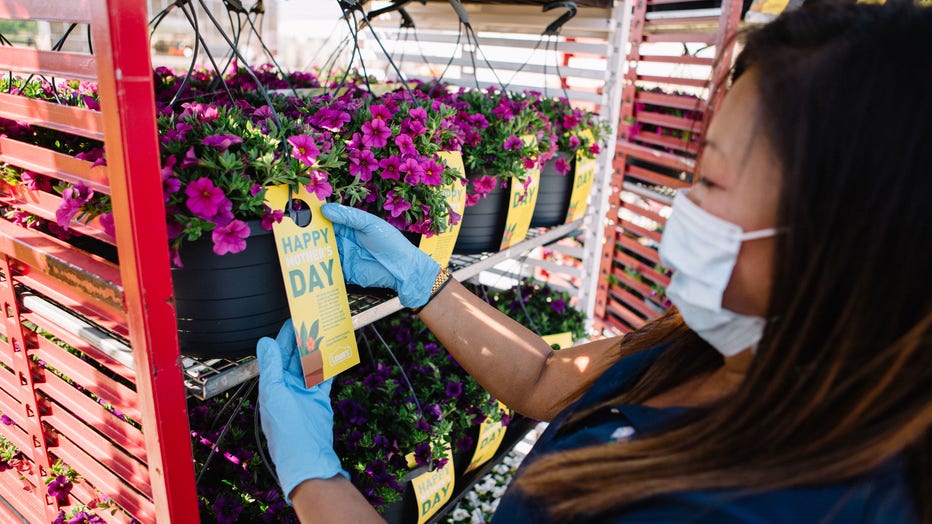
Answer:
[(793, 383)]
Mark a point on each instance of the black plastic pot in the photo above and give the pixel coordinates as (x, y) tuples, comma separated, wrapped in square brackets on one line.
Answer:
[(483, 224), (225, 304), (553, 194)]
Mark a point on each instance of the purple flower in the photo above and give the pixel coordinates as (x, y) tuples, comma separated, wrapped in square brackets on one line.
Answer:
[(230, 238), (594, 149), (221, 142), (320, 185), (362, 164), (390, 166), (271, 217), (562, 166), (82, 517), (422, 450), (190, 159), (412, 171), (405, 144), (106, 222), (433, 174), (414, 127), (168, 168), (72, 199), (396, 204), (227, 509), (502, 111), (177, 134), (35, 181), (574, 142), (90, 103), (472, 199), (454, 389), (60, 519), (513, 143), (380, 112), (7, 421), (381, 441), (263, 111), (224, 213), (484, 185), (202, 112), (304, 149), (329, 118), (571, 120), (465, 444), (418, 113), (59, 487), (558, 305), (204, 198), (479, 120), (375, 133), (434, 412)]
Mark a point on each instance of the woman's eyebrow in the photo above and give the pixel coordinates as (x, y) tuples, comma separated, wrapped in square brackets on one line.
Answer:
[(705, 142)]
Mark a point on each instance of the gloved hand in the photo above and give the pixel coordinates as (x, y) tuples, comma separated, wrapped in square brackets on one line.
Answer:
[(297, 422), (375, 254)]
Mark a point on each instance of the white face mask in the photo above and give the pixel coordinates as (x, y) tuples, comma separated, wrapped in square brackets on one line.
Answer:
[(701, 249)]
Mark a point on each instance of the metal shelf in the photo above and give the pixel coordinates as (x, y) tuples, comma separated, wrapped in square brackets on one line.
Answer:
[(206, 378)]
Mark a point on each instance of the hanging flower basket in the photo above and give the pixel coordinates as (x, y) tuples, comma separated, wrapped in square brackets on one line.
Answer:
[(226, 303), (553, 197)]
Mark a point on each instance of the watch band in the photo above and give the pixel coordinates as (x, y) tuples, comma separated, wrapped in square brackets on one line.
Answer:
[(443, 278)]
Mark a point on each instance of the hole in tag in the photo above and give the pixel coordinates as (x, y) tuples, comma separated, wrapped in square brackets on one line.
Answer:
[(299, 212)]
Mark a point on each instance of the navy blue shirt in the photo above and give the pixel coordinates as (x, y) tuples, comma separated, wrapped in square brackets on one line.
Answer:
[(883, 497)]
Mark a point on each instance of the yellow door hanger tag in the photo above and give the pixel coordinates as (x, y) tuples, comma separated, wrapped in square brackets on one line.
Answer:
[(562, 340), (582, 186), (434, 489), (314, 284), (440, 247), (491, 435), (523, 198)]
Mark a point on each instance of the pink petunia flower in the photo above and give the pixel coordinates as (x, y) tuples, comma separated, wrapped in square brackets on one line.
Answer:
[(177, 134), (221, 142), (271, 217), (204, 198), (190, 159), (405, 145), (362, 164), (224, 214), (35, 181), (454, 218), (513, 143), (418, 113), (304, 149), (574, 142), (390, 167), (380, 112), (90, 103), (230, 238), (320, 185), (412, 171), (395, 204), (529, 163), (72, 199), (433, 173), (562, 166), (472, 199), (414, 127), (168, 169), (375, 133), (106, 222), (484, 185), (594, 149)]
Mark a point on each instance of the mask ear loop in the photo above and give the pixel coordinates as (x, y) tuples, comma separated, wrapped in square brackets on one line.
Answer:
[(761, 233)]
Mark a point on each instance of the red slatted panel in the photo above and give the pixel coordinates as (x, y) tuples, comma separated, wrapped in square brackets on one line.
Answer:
[(80, 297), (655, 162), (48, 10), (54, 164), (72, 120)]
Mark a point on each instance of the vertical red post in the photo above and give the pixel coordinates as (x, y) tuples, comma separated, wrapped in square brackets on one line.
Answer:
[(130, 130)]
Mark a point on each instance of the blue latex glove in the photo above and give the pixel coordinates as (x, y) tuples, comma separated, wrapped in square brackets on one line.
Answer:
[(375, 254), (297, 422)]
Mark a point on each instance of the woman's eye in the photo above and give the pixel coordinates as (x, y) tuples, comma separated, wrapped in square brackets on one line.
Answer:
[(705, 182)]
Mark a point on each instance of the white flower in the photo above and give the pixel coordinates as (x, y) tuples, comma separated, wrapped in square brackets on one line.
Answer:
[(460, 514), (499, 491)]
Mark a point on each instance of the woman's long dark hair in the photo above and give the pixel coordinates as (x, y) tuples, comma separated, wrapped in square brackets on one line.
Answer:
[(842, 381)]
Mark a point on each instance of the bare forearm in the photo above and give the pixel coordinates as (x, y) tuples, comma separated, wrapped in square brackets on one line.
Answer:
[(506, 358), (332, 500)]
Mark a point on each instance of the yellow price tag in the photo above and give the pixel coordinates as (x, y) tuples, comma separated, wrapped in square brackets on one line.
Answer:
[(582, 182), (440, 247), (521, 204), (433, 489), (562, 340), (315, 288), (491, 435)]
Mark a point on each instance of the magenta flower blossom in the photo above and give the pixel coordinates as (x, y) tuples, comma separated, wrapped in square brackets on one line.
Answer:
[(423, 227), (405, 145), (230, 238), (571, 120), (479, 120), (271, 217), (529, 163), (177, 134), (90, 103), (59, 487), (433, 173), (7, 421), (83, 517), (390, 167), (502, 111), (330, 118), (170, 186), (35, 181), (562, 166), (574, 142), (190, 159), (395, 204), (320, 185), (513, 143), (414, 127), (355, 143), (224, 213), (221, 142), (255, 190), (204, 198), (106, 222), (202, 112), (380, 112), (558, 305), (418, 113), (168, 169), (472, 199), (375, 133), (484, 184), (304, 149), (72, 199), (412, 171), (594, 149), (95, 156), (362, 164)]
